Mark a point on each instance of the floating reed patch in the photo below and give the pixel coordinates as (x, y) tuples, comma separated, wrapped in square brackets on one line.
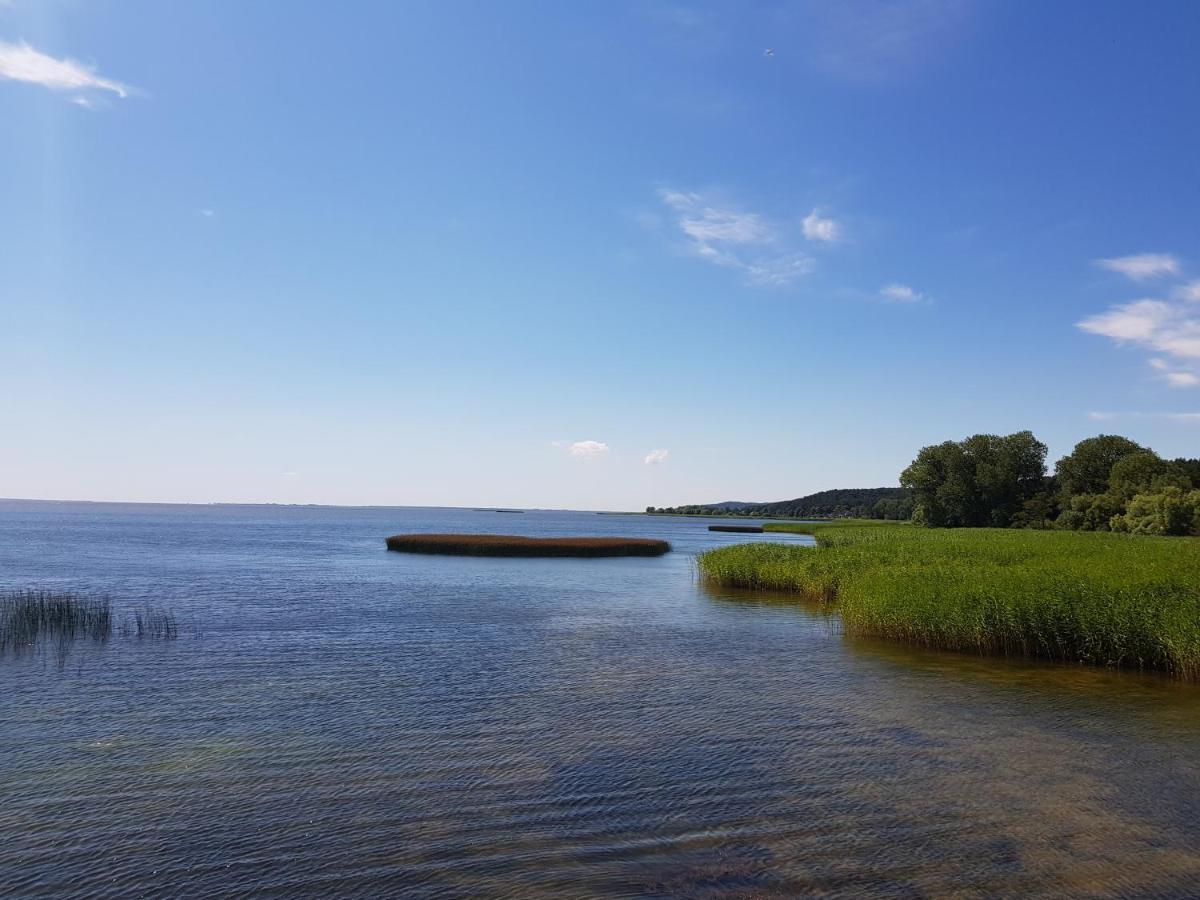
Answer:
[(738, 529), (516, 545)]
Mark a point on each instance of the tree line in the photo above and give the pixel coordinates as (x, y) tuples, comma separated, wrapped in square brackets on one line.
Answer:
[(859, 503), (1106, 483)]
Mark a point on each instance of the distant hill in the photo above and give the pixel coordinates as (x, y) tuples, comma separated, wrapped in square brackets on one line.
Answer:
[(874, 503)]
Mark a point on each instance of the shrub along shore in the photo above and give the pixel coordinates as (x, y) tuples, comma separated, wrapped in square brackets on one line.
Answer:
[(516, 545), (1106, 599)]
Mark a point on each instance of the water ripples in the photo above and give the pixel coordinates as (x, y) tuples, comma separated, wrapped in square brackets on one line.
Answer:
[(346, 723)]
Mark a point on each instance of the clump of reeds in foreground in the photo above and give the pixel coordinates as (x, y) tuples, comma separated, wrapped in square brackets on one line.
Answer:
[(1106, 599), (516, 545), (29, 616)]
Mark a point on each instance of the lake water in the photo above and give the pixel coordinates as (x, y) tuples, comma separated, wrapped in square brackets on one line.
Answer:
[(335, 719)]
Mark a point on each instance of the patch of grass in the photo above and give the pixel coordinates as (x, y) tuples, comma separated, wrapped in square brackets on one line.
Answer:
[(1106, 599), (516, 545)]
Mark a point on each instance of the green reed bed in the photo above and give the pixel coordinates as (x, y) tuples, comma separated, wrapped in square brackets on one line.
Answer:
[(517, 545), (1106, 599)]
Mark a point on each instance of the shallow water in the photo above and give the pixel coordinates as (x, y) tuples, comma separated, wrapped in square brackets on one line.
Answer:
[(336, 719)]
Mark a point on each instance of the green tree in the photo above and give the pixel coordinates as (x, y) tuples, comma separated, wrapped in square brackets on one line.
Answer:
[(1190, 468), (1089, 512), (1171, 511), (983, 480), (1040, 510), (1086, 470), (1144, 473)]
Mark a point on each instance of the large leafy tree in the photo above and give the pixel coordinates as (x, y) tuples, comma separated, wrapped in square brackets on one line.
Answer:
[(983, 480), (1086, 470)]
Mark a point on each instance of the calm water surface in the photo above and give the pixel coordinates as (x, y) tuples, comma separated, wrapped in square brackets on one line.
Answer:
[(335, 719)]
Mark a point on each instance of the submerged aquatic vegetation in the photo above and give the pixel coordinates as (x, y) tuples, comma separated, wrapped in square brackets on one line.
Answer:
[(1106, 599), (516, 545)]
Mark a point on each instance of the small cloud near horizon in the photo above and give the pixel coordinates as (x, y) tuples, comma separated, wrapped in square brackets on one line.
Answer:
[(581, 449), (21, 62), (657, 457), (1187, 417)]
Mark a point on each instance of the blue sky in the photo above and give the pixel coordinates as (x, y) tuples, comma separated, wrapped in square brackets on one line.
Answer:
[(600, 257)]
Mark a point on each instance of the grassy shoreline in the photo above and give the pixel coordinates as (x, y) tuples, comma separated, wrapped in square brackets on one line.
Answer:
[(1104, 599)]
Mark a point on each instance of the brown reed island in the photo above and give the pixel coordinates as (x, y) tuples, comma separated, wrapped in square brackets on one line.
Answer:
[(739, 529), (517, 545)]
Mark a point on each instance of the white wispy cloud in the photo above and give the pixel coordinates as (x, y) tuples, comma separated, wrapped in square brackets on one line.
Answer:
[(709, 224), (1140, 321), (583, 448), (779, 271), (726, 236), (900, 293), (1169, 328), (1189, 291), (817, 228), (1142, 266), (1185, 417), (208, 213), (1182, 379), (21, 62), (656, 457), (1173, 376)]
